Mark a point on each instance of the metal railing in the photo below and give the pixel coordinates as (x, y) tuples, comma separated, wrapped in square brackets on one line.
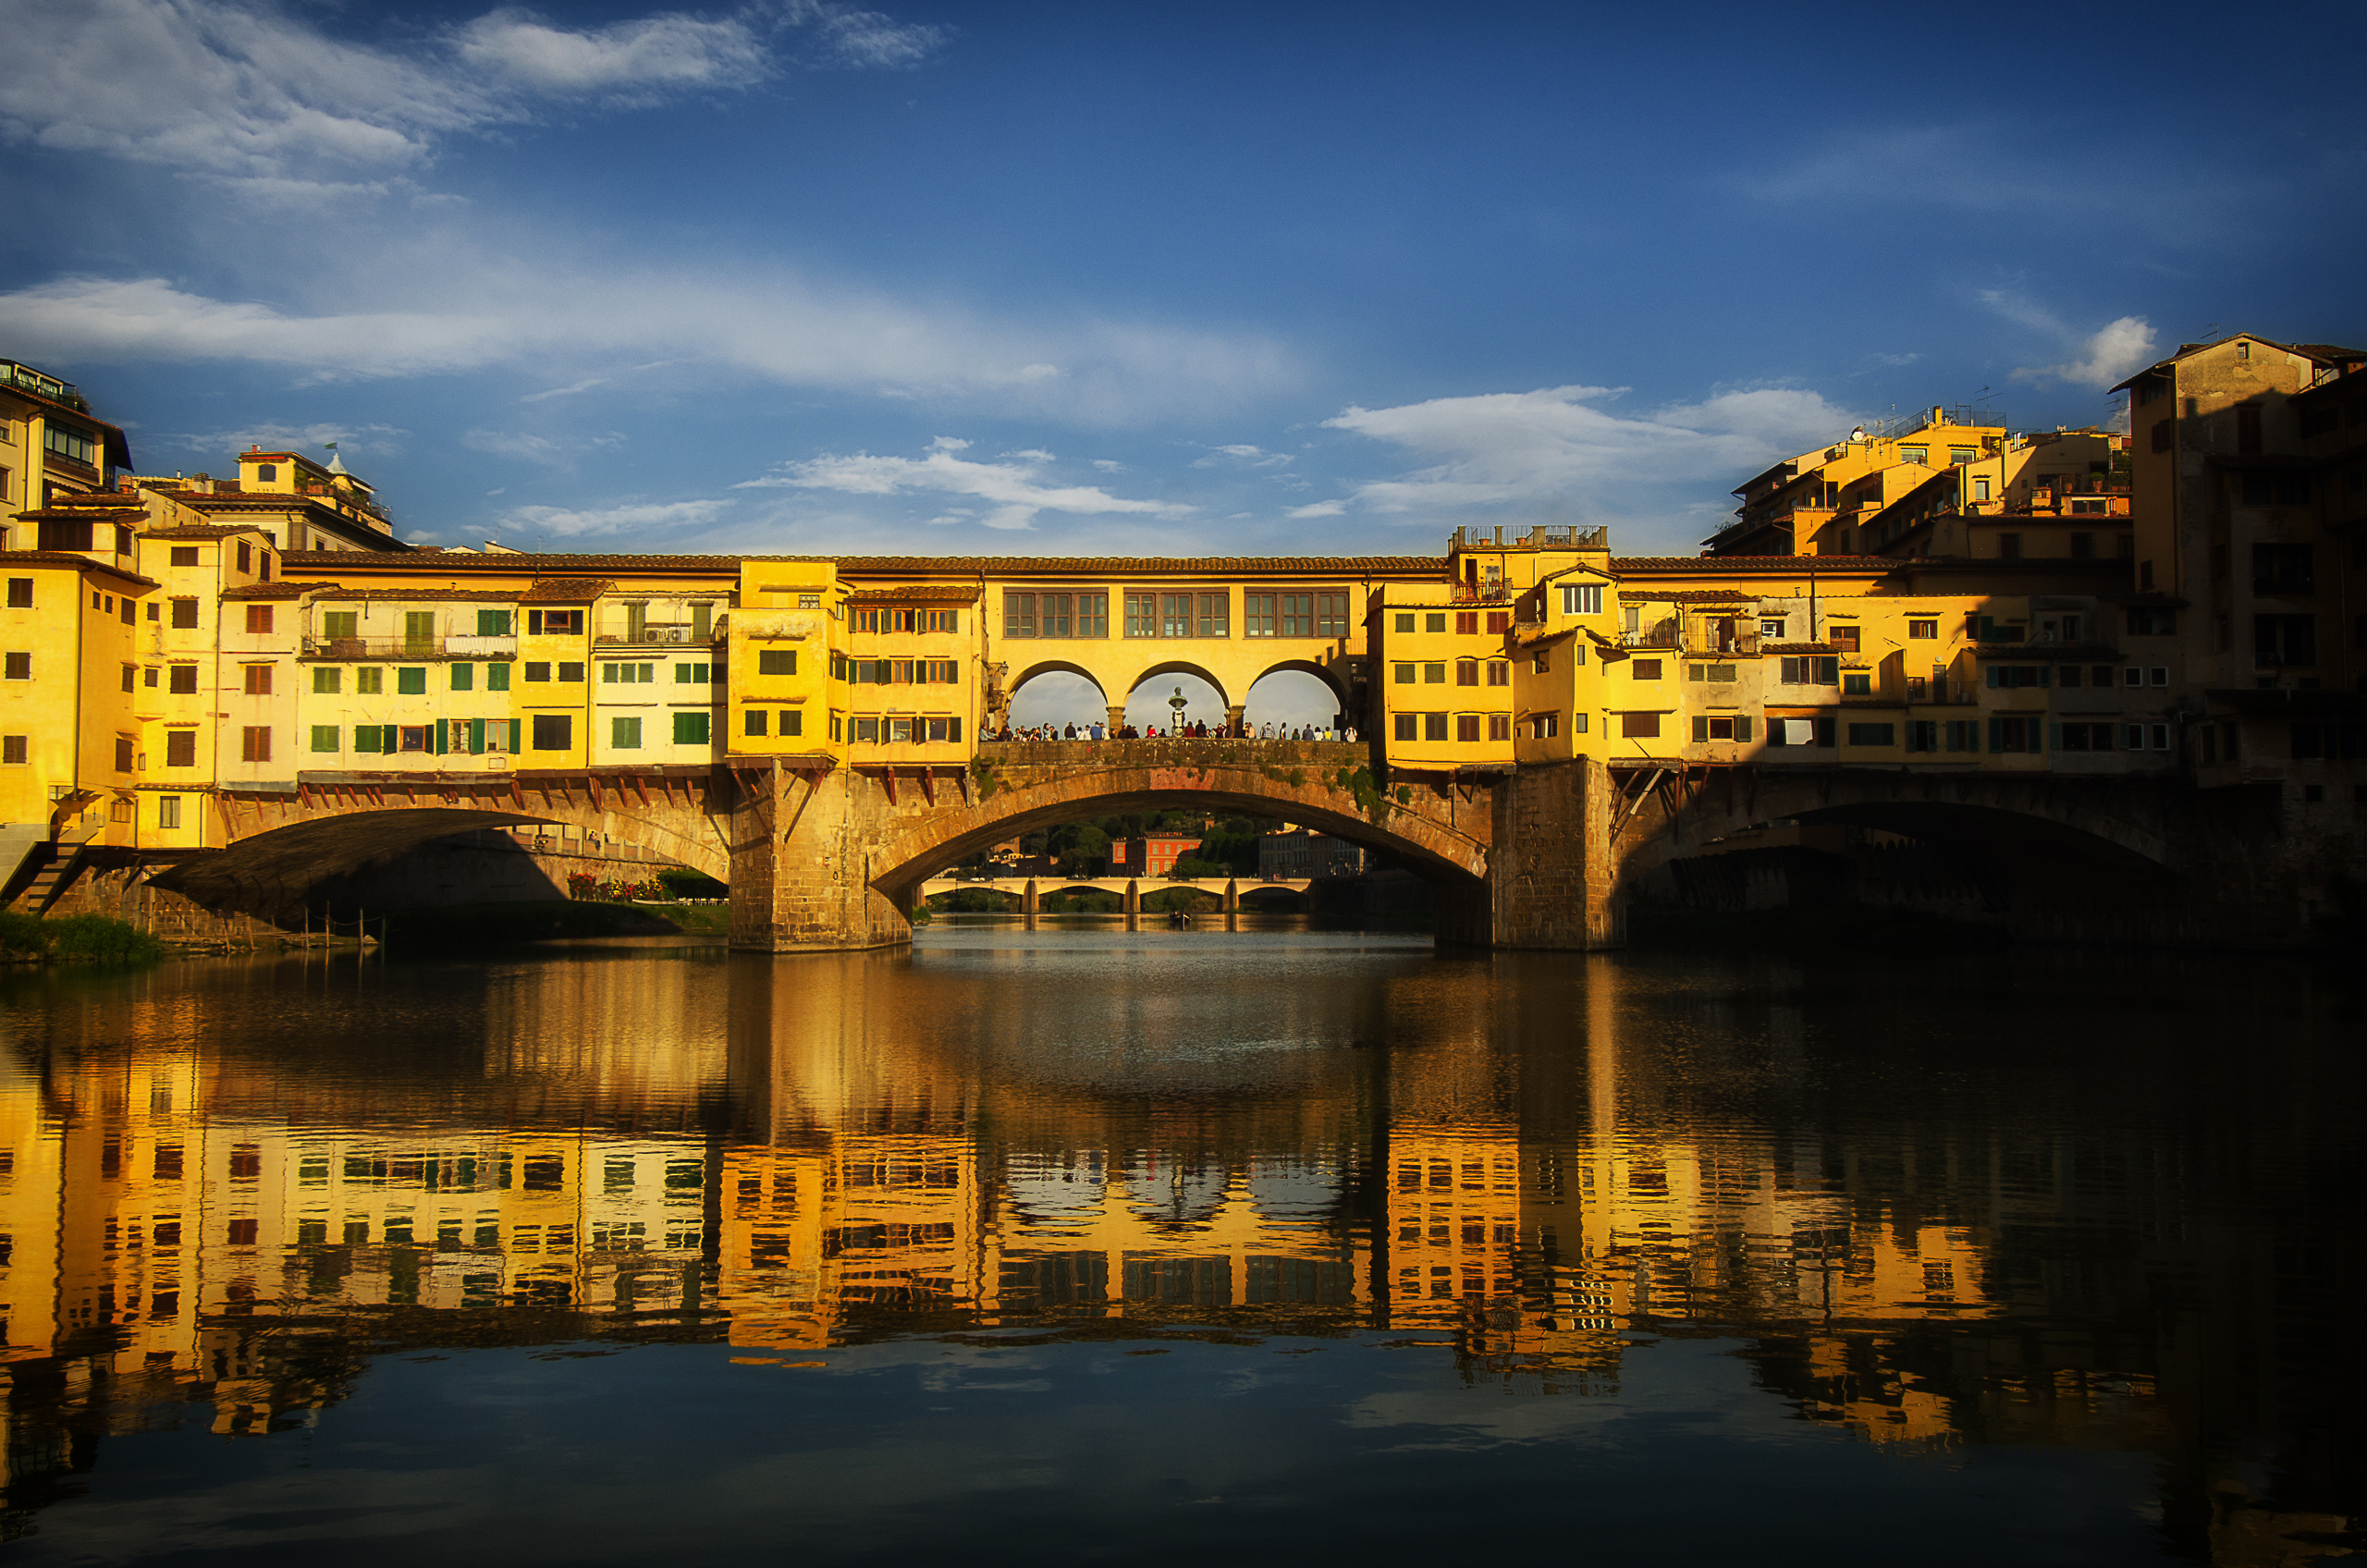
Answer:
[(669, 634), (1541, 537), (456, 646)]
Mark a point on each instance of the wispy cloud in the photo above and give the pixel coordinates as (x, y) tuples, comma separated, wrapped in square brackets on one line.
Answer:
[(243, 90), (380, 440), (1014, 488), (1242, 455), (482, 313), (1558, 447), (560, 522)]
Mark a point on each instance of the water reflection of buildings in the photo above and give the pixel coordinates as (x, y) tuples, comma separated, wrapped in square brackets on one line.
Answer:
[(850, 1157)]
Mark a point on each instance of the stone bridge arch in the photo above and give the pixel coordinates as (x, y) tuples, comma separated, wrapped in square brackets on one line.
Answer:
[(1166, 668), (279, 844), (841, 854)]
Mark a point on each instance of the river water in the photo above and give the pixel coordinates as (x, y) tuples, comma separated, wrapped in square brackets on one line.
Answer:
[(1084, 1245)]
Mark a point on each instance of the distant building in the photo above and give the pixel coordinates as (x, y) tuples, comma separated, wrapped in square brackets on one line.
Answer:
[(1152, 855), (1303, 853)]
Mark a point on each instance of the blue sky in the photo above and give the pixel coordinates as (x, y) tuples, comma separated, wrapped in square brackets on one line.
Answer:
[(1061, 279)]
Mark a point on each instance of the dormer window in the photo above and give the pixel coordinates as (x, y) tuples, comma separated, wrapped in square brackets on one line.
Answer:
[(2243, 350), (266, 474)]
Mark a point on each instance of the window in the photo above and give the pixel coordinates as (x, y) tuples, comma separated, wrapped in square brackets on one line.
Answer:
[(259, 618), (185, 614), (69, 441), (1298, 615), (1800, 731), (553, 731), (2160, 675), (1645, 670), (1019, 615), (1434, 622), (258, 680), (1843, 638), (1467, 726), (1466, 624), (16, 750), (1142, 614), (1434, 726), (1922, 628), (1401, 674), (327, 680), (147, 677), (775, 661), (325, 737), (2081, 737), (1715, 674), (1811, 670), (2013, 677), (1959, 456), (555, 623), (689, 730), (1772, 627), (1721, 727), (1257, 615), (1434, 675), (168, 811), (464, 678), (1404, 726), (493, 623), (1915, 455), (369, 681), (2152, 623), (1499, 727), (1093, 615), (1582, 598), (2278, 639), (123, 756), (180, 748), (2008, 735), (793, 722), (255, 744), (1542, 664), (1980, 488), (131, 677), (1403, 623), (624, 734), (1500, 672), (1857, 683), (571, 673), (17, 667), (627, 674), (1332, 614), (1216, 615), (1466, 673), (411, 683), (1640, 726), (1874, 735), (21, 593), (414, 737), (2284, 568), (2248, 429), (1922, 735), (1545, 726), (497, 677), (755, 722)]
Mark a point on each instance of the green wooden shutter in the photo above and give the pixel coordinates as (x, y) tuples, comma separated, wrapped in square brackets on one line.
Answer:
[(476, 736), (516, 726)]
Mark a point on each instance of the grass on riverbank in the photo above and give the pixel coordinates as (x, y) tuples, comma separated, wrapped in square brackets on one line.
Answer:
[(75, 939)]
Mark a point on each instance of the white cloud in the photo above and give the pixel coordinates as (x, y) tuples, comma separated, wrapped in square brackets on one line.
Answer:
[(2114, 353), (1557, 447), (464, 312), (1108, 465), (1241, 453), (240, 89), (652, 54), (351, 439), (585, 385), (563, 522), (1319, 509), (1013, 488), (531, 449)]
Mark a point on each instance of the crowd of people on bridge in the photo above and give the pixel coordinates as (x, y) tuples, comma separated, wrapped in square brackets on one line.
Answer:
[(1196, 730)]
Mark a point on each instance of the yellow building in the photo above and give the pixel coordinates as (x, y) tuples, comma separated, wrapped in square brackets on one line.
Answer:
[(1808, 505)]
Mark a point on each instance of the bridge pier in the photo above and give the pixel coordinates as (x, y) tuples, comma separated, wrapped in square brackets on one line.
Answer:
[(1027, 902), (1550, 867), (1133, 904)]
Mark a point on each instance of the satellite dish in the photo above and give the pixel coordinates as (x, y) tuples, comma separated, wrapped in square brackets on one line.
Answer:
[(1858, 434)]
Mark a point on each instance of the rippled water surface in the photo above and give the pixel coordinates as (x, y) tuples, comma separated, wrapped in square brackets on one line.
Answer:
[(1165, 1246)]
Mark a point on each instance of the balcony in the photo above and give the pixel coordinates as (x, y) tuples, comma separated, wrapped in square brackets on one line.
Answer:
[(410, 647), (655, 636), (1567, 537)]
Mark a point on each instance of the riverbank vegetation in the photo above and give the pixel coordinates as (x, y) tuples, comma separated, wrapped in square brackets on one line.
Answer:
[(75, 939)]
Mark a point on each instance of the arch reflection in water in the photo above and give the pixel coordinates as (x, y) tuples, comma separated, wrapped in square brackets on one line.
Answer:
[(233, 1182)]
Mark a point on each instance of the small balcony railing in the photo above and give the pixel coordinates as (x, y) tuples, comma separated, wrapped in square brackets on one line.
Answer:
[(457, 647), (655, 636)]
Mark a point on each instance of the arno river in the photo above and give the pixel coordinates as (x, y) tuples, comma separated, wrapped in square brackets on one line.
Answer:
[(1090, 1245)]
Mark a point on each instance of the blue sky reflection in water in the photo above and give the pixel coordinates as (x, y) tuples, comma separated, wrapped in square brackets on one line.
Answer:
[(1178, 1246)]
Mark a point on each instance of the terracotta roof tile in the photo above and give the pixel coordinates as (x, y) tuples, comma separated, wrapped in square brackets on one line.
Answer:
[(200, 531), (67, 557), (268, 590), (944, 595), (565, 590)]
